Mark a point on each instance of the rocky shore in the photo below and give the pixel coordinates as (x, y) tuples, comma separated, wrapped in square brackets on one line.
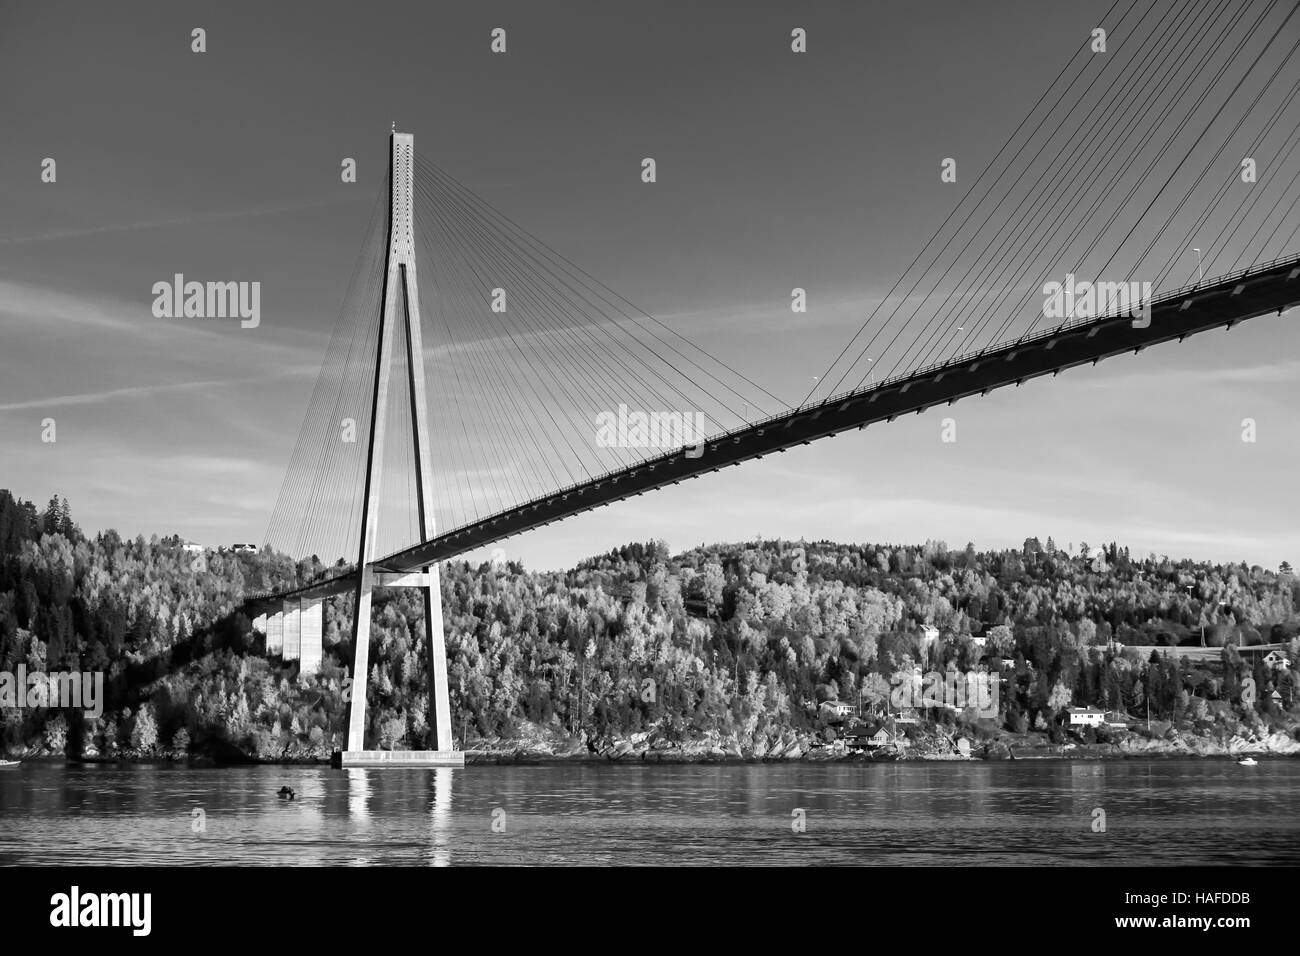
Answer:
[(536, 744)]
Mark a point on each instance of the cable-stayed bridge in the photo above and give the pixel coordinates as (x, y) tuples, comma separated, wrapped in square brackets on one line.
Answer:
[(478, 384)]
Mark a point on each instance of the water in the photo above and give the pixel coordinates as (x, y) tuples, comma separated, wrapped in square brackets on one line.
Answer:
[(1156, 812)]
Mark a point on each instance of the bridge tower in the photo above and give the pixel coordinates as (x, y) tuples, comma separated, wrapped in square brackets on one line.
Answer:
[(400, 315)]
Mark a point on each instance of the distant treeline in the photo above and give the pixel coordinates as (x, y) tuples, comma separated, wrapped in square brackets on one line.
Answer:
[(739, 639)]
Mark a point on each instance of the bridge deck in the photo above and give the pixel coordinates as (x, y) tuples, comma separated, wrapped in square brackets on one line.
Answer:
[(1223, 302)]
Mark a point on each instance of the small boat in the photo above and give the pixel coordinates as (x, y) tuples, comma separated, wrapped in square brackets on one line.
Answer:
[(6, 764), (1248, 761)]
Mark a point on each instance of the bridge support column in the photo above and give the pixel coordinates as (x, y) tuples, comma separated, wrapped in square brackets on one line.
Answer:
[(360, 660), (400, 311), (259, 624), (310, 635), (436, 661), (292, 630), (275, 633)]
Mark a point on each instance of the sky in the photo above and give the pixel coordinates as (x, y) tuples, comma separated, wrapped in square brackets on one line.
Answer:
[(774, 171)]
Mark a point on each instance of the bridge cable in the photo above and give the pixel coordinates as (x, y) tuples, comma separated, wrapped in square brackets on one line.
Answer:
[(556, 313), (1123, 203), (1042, 182), (1004, 262), (1183, 90), (610, 296), (969, 192)]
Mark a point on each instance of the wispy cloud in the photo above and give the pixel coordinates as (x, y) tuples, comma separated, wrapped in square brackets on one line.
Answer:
[(111, 228), (30, 306), (1285, 371), (149, 391), (34, 309)]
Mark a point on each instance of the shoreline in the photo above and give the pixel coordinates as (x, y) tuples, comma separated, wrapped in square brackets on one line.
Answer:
[(505, 758), (788, 749)]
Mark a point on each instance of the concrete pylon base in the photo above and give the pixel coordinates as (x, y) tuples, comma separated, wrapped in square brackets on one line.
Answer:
[(405, 759)]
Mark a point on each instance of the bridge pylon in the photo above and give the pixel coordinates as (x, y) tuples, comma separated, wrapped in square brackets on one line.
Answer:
[(400, 309)]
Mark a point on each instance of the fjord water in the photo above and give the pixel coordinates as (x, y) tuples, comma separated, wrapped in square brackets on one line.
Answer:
[(1030, 811)]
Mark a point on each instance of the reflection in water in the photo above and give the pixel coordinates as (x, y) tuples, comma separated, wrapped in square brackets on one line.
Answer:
[(311, 820), (440, 818), (358, 804), (927, 812), (359, 796), (979, 785)]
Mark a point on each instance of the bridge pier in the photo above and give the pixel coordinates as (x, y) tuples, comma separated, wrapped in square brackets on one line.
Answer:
[(360, 660), (275, 633), (310, 647), (292, 630), (436, 654)]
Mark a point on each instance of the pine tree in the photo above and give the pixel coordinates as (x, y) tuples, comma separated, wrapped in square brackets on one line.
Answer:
[(66, 527), (52, 520)]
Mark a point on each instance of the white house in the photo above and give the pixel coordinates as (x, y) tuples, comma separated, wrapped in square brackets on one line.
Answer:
[(193, 547), (1086, 717), (1277, 661), (837, 708)]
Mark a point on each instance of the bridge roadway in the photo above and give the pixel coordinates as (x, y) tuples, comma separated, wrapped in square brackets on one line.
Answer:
[(1218, 303)]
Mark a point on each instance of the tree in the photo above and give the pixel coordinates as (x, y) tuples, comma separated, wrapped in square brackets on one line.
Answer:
[(237, 721), (874, 690), (56, 734), (391, 732), (1059, 698), (53, 519), (711, 585), (66, 527), (144, 733), (1001, 640)]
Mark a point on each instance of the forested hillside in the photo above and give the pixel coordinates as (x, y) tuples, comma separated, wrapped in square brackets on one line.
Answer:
[(741, 641)]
